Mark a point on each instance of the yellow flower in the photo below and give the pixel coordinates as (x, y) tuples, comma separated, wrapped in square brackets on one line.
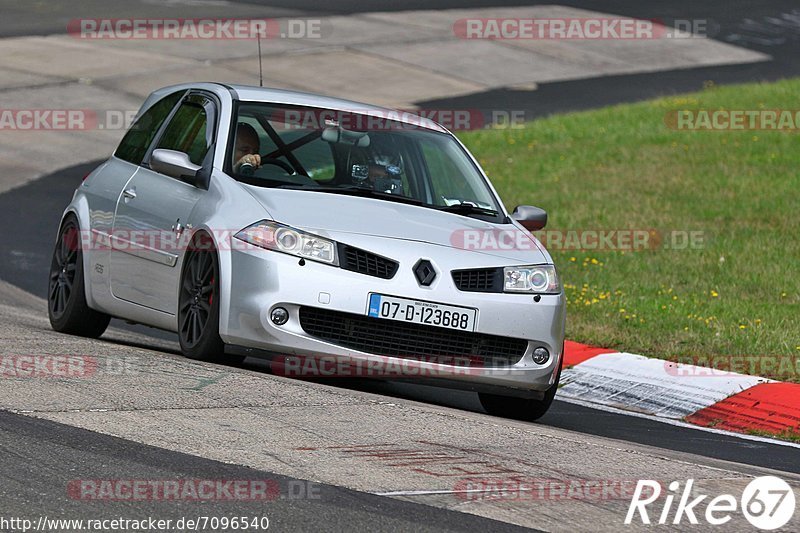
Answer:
[(714, 294), (572, 259), (742, 326)]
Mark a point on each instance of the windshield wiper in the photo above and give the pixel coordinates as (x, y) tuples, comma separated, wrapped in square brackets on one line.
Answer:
[(468, 208), (355, 190)]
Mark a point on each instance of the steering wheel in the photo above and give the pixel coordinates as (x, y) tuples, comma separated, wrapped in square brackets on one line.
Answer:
[(299, 179), (278, 163)]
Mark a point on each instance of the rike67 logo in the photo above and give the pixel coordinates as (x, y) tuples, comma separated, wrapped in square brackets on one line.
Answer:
[(767, 502)]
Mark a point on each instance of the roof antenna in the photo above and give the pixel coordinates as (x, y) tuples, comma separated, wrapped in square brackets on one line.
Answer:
[(260, 72)]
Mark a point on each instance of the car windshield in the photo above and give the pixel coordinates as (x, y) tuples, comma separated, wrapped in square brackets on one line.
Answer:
[(350, 153)]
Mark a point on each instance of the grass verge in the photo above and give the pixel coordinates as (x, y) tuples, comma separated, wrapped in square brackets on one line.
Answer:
[(736, 292)]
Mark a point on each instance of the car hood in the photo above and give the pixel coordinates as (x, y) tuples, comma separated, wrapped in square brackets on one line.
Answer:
[(334, 214)]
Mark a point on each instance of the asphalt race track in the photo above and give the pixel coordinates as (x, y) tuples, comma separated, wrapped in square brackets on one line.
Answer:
[(42, 448), (26, 253)]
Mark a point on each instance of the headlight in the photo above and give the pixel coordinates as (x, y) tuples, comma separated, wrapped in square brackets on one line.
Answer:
[(274, 236), (539, 279)]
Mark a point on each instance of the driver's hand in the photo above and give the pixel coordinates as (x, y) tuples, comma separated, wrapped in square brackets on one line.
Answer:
[(252, 159)]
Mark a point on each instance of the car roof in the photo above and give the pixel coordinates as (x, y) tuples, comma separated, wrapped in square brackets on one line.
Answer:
[(248, 93)]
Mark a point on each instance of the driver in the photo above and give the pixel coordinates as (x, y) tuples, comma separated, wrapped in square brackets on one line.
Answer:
[(246, 149), (385, 171)]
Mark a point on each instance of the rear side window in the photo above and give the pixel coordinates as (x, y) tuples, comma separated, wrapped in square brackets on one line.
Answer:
[(187, 133), (136, 141)]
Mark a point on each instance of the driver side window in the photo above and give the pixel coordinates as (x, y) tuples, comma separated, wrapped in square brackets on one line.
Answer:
[(138, 138), (188, 132)]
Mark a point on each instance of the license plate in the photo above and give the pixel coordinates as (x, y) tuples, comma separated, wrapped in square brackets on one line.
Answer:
[(421, 312)]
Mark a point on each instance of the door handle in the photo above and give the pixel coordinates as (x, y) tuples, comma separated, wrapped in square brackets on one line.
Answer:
[(129, 194)]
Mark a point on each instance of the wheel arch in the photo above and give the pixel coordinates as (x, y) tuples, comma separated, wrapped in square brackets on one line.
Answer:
[(223, 254), (79, 209)]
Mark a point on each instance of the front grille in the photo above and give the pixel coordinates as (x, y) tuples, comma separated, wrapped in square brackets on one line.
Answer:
[(411, 341), (479, 280), (357, 260)]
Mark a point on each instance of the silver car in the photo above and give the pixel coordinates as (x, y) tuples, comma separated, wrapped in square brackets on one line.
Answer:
[(332, 237)]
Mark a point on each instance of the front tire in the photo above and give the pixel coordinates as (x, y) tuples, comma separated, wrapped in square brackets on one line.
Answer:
[(198, 304), (520, 408), (66, 289)]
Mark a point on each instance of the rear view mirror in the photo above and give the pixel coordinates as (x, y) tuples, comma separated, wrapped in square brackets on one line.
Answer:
[(341, 135), (532, 218)]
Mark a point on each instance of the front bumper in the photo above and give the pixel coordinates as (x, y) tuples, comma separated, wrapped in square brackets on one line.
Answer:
[(261, 280)]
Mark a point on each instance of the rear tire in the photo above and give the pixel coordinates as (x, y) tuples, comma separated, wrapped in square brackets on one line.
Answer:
[(198, 304), (520, 408), (66, 289)]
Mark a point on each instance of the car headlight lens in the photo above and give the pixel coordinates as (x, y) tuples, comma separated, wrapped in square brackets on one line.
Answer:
[(274, 236), (539, 279)]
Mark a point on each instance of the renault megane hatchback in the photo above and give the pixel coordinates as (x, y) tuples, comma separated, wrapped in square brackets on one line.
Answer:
[(255, 221)]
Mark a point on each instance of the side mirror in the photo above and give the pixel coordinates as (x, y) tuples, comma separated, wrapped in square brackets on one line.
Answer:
[(532, 218), (175, 164)]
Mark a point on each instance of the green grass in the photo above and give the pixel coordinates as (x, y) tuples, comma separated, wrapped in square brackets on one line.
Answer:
[(783, 435), (621, 167)]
